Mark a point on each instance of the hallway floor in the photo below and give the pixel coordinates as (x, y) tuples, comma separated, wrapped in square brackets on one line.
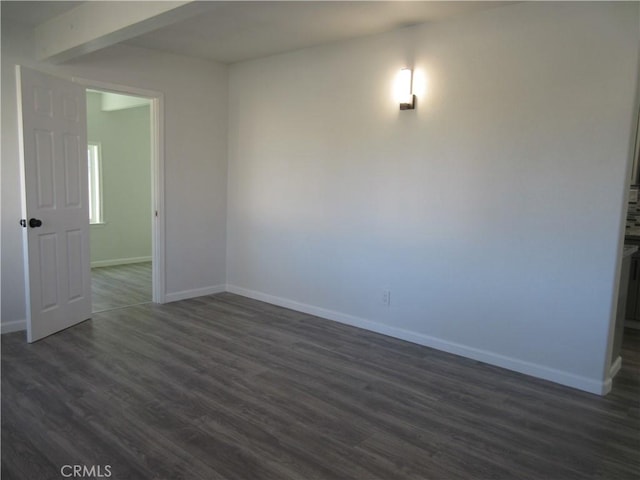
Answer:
[(120, 286)]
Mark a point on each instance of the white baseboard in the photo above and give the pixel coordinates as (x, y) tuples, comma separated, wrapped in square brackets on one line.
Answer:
[(13, 326), (613, 371), (196, 292), (528, 368), (615, 367), (521, 366), (119, 261)]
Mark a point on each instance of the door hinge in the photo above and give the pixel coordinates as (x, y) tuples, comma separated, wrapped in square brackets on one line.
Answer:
[(23, 222)]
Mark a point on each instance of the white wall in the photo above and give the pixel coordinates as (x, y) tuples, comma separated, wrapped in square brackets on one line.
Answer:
[(124, 137), (492, 212), (195, 94)]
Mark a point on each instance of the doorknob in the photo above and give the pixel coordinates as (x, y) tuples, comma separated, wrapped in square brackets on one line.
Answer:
[(34, 223)]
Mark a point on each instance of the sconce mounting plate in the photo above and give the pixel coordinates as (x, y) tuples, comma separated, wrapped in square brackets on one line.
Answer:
[(409, 106)]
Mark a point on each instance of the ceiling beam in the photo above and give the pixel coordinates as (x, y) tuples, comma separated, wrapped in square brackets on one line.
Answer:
[(94, 25)]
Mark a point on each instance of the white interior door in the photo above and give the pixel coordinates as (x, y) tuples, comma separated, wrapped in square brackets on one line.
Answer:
[(55, 202)]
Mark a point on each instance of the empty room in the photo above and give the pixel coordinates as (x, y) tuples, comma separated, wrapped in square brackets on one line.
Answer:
[(379, 240)]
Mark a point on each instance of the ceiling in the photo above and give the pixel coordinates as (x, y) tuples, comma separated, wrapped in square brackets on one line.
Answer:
[(231, 32), (31, 14)]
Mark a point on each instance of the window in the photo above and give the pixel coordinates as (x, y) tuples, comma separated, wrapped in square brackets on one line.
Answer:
[(95, 183)]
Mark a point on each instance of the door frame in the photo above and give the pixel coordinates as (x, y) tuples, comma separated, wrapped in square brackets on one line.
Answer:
[(156, 112)]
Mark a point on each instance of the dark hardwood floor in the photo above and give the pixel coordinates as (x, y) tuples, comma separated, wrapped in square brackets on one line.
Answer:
[(120, 286), (224, 387)]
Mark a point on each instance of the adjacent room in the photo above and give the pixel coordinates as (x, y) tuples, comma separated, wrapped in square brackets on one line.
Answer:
[(320, 240), (119, 159)]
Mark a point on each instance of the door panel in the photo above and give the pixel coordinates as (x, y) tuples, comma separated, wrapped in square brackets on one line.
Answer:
[(48, 253), (75, 265), (70, 108), (54, 171), (44, 169), (72, 171), (43, 101)]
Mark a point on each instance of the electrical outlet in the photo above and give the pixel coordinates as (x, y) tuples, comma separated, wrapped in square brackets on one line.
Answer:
[(386, 297)]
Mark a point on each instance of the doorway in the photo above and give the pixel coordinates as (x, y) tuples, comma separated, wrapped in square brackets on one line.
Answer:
[(120, 202), (55, 200), (126, 197)]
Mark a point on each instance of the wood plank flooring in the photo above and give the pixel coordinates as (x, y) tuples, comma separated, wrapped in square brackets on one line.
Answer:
[(224, 387), (120, 286)]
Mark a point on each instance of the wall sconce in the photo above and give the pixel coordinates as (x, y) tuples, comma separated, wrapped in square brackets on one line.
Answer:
[(405, 84)]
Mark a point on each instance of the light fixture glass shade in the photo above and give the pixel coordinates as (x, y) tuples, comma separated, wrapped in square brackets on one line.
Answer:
[(405, 85), (404, 89)]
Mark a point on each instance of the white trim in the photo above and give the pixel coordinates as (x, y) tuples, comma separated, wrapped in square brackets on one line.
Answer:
[(115, 88), (157, 188), (613, 371), (156, 112), (528, 368), (13, 326), (615, 367), (23, 204), (120, 261), (196, 292)]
